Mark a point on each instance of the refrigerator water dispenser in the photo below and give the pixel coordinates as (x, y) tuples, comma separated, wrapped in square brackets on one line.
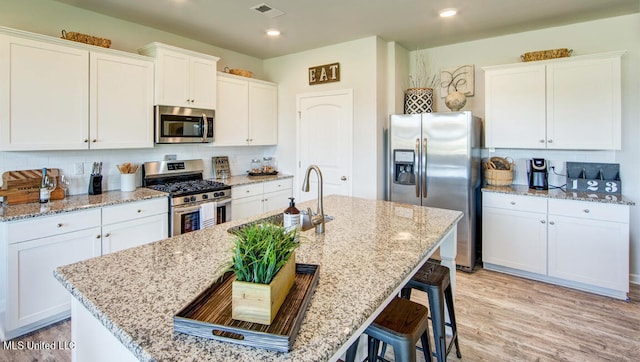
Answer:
[(404, 167)]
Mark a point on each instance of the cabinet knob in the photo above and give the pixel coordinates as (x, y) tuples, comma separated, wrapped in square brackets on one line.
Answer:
[(139, 211), (550, 141), (512, 202), (86, 140), (94, 140), (343, 178), (59, 225), (551, 223), (98, 236), (543, 222), (107, 235), (541, 141), (586, 211)]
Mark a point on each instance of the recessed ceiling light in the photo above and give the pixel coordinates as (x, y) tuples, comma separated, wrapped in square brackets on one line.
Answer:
[(273, 32), (448, 12)]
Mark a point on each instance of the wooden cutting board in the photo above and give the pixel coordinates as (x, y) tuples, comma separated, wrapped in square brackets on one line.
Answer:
[(23, 186)]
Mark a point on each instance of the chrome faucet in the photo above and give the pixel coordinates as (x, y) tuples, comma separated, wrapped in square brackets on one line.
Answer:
[(318, 218)]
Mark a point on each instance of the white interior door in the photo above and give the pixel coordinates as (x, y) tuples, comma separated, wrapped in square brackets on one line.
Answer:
[(325, 123)]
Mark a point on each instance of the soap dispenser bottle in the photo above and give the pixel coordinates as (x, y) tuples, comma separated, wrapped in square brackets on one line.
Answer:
[(292, 217)]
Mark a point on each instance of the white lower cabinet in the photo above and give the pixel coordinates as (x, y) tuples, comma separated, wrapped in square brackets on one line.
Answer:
[(258, 198), (579, 244), (33, 248), (589, 243), (133, 224)]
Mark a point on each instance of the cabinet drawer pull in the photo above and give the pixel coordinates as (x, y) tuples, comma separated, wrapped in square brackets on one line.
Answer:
[(541, 141), (60, 225), (551, 223), (586, 211), (512, 202)]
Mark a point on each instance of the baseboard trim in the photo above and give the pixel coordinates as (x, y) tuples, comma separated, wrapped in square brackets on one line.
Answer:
[(634, 278)]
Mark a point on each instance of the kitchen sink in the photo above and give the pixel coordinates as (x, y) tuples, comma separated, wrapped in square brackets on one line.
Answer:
[(278, 219)]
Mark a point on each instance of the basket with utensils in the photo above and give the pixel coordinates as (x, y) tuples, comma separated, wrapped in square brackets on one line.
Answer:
[(498, 171), (87, 39)]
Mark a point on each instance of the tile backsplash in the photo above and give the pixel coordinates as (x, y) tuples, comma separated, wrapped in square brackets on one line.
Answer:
[(555, 158), (71, 161)]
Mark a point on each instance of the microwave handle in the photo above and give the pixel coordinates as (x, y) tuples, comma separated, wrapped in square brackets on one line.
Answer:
[(205, 128)]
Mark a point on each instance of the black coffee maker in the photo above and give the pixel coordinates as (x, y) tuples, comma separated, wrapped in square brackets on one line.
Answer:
[(538, 174)]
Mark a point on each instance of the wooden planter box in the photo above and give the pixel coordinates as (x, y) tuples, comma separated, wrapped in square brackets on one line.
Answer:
[(259, 303)]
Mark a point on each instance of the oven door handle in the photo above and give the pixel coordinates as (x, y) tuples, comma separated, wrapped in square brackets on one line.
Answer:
[(223, 201), (186, 209)]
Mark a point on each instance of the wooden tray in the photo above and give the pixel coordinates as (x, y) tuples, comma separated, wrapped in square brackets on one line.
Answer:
[(263, 173), (209, 315)]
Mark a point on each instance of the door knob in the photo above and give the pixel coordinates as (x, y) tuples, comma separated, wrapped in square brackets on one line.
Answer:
[(343, 178)]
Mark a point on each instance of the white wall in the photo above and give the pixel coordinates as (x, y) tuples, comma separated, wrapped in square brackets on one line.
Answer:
[(618, 33), (359, 66), (49, 18)]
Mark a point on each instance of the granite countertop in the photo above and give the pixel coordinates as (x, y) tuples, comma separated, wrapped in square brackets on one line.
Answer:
[(365, 254), (75, 202), (246, 179), (524, 190)]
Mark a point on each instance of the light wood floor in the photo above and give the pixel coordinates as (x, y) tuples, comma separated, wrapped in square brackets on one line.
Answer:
[(500, 318)]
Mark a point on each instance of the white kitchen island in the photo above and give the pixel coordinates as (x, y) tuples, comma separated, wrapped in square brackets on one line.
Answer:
[(124, 303)]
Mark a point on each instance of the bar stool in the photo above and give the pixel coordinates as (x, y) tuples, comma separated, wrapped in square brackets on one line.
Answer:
[(401, 324), (433, 279)]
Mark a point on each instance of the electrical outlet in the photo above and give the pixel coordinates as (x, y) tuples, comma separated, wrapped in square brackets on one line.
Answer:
[(78, 168)]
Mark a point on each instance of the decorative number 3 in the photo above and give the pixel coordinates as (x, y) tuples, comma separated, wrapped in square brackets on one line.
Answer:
[(611, 187)]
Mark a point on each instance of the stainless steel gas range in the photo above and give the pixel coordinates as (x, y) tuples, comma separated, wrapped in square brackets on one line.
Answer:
[(194, 203)]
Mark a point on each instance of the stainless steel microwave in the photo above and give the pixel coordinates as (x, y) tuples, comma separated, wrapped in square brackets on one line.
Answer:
[(183, 125)]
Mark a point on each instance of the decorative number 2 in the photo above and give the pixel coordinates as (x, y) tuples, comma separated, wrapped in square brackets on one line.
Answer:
[(592, 185), (611, 187)]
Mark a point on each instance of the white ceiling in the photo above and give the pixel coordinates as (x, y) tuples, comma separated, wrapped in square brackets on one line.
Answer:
[(308, 24)]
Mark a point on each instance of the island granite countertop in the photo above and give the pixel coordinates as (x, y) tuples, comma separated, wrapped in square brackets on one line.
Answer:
[(75, 203), (365, 255), (524, 190)]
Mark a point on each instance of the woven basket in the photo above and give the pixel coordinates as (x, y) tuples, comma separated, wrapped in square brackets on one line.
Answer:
[(241, 72), (87, 39), (546, 54), (496, 177)]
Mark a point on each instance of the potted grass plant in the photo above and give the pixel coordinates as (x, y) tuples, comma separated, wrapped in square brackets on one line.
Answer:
[(264, 264)]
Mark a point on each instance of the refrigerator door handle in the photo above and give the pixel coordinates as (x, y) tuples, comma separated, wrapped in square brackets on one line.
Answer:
[(416, 167), (424, 168)]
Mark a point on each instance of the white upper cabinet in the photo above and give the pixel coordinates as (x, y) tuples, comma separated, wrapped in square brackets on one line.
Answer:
[(568, 103), (183, 78), (247, 112), (121, 111), (61, 95), (44, 95)]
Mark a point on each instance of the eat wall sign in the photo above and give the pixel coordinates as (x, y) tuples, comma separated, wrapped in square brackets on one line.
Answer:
[(324, 74)]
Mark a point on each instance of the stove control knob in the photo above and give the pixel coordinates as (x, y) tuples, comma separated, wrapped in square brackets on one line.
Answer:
[(193, 198), (205, 196), (186, 199)]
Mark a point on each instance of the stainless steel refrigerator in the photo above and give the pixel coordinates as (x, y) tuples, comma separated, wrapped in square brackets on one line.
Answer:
[(434, 160)]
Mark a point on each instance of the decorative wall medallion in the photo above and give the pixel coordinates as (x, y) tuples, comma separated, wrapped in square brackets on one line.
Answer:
[(459, 79)]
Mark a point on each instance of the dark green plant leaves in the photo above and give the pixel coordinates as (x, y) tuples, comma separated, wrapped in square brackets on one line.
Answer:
[(260, 250)]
